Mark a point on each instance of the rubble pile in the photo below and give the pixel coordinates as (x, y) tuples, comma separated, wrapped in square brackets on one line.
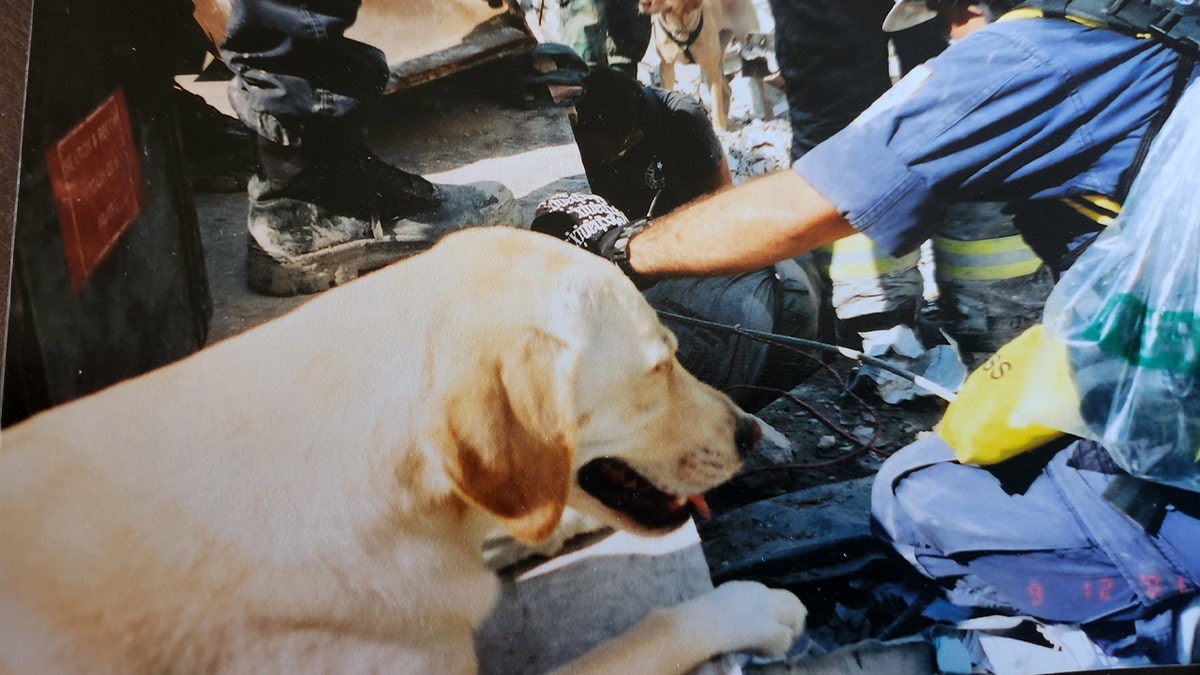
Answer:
[(758, 147)]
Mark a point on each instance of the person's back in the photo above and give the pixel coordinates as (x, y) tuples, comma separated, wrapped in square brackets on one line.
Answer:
[(645, 150)]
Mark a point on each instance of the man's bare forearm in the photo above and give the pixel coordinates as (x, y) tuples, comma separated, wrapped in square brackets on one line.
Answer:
[(740, 229)]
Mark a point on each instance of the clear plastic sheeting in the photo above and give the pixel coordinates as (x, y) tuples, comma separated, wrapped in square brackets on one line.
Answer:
[(1129, 314)]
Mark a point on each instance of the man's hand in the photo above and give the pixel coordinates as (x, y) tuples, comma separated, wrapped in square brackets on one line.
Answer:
[(591, 223)]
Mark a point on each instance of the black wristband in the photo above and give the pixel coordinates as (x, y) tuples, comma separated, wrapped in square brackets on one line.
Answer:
[(615, 247)]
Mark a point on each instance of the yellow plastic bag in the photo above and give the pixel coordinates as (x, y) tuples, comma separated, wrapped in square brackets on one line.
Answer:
[(1020, 399)]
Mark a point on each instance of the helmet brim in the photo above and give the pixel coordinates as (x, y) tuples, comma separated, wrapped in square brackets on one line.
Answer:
[(906, 14)]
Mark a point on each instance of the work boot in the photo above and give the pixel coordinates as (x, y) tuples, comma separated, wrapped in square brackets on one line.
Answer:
[(321, 219)]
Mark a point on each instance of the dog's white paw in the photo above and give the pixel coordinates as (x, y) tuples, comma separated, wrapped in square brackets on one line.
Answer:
[(746, 616)]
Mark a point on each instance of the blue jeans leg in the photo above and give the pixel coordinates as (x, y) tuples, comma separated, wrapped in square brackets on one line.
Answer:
[(296, 74)]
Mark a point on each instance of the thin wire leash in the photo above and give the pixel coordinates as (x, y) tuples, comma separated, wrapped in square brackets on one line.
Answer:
[(789, 341)]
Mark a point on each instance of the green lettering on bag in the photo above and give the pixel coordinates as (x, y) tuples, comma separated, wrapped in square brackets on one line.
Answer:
[(1160, 340)]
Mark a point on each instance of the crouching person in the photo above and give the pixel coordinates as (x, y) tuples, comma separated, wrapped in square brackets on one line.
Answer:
[(1005, 113), (647, 152)]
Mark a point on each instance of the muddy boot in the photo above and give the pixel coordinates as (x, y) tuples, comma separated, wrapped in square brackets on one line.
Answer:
[(321, 219)]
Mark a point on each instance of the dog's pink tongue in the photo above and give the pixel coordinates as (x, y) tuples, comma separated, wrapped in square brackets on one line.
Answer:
[(700, 505)]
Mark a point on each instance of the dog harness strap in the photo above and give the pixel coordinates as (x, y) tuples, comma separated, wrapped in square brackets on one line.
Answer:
[(684, 43)]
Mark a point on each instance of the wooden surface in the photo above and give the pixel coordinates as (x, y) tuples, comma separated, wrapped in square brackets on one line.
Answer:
[(14, 54), (423, 40)]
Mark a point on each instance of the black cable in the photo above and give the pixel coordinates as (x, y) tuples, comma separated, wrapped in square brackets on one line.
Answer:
[(789, 341)]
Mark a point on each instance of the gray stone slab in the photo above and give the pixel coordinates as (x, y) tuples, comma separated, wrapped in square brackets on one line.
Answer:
[(800, 537), (560, 609)]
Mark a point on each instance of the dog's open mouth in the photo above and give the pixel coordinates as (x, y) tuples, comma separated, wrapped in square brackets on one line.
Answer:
[(622, 489)]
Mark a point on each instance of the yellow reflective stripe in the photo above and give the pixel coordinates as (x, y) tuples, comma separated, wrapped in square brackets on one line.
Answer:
[(1022, 13), (872, 268), (984, 259), (1031, 13), (988, 272), (857, 257), (1104, 203), (851, 244), (980, 246), (1085, 22), (1088, 210)]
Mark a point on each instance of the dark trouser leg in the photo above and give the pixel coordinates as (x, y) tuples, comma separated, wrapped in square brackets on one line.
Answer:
[(628, 35), (833, 58), (306, 90), (584, 27), (323, 209), (296, 74), (725, 361)]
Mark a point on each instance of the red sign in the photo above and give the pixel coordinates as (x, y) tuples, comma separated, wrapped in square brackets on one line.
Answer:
[(97, 185)]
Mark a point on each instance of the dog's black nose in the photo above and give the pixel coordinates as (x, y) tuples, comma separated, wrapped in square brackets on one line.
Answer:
[(746, 435)]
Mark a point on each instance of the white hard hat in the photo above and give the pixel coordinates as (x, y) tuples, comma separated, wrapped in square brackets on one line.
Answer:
[(906, 14)]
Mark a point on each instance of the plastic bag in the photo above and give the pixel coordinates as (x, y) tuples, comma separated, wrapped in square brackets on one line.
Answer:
[(1128, 312), (1019, 399)]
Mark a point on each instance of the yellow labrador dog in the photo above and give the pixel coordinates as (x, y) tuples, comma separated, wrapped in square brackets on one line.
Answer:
[(698, 31), (313, 495)]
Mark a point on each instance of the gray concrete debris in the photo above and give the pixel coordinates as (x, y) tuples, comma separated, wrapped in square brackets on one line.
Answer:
[(774, 448), (556, 613), (757, 148), (819, 533)]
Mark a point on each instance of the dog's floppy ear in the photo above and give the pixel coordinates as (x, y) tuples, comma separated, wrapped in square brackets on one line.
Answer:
[(512, 432)]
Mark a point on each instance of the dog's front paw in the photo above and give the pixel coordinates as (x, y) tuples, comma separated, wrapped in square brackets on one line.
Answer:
[(745, 616)]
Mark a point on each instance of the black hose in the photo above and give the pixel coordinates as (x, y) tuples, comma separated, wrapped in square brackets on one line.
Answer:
[(789, 341)]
